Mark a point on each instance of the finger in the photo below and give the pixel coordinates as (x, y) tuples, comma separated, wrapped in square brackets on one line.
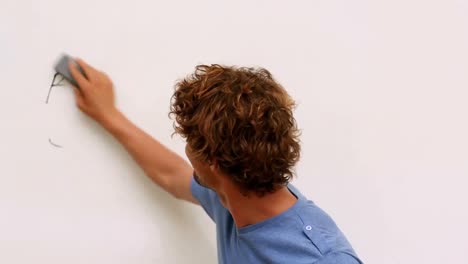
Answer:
[(89, 70), (78, 93), (76, 74)]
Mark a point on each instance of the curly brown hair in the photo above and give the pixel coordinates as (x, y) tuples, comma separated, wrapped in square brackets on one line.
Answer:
[(243, 119)]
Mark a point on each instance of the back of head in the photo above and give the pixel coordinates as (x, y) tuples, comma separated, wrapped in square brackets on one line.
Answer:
[(242, 119)]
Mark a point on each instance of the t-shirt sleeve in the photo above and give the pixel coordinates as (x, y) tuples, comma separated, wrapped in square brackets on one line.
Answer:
[(207, 198), (338, 258)]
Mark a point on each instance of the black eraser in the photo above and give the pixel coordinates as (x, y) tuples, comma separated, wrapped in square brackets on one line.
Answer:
[(62, 67)]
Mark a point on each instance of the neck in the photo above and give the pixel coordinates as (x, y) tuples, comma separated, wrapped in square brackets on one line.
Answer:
[(248, 210)]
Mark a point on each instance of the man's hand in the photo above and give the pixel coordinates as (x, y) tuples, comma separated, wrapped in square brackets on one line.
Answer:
[(95, 96)]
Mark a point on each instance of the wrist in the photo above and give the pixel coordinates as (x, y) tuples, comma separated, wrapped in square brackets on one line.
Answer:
[(112, 120)]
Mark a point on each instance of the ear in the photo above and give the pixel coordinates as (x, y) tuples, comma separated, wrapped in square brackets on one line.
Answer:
[(214, 165)]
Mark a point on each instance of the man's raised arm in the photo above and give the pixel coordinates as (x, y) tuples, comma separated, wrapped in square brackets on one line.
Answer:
[(95, 97)]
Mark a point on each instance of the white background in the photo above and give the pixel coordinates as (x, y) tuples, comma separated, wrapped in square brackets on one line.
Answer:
[(381, 88)]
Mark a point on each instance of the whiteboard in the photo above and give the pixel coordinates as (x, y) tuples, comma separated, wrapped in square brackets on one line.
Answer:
[(381, 88)]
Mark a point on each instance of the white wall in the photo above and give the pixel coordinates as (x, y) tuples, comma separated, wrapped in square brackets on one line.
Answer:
[(381, 88)]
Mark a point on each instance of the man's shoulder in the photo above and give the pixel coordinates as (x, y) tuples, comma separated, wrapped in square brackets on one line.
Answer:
[(208, 200), (312, 214), (323, 231)]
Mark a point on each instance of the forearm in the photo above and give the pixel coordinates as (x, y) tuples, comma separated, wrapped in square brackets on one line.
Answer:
[(158, 162)]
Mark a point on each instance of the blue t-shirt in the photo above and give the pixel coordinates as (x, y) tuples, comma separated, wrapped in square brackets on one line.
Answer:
[(302, 234)]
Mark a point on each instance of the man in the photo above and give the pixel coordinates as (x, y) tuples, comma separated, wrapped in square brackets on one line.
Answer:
[(242, 142)]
